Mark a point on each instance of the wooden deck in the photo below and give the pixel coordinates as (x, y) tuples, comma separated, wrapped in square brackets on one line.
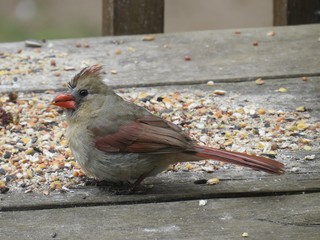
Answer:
[(264, 206)]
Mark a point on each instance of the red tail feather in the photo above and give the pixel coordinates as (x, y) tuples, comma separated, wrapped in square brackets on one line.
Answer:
[(242, 159)]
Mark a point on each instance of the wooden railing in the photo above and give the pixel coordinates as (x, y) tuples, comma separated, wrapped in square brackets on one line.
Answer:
[(126, 17)]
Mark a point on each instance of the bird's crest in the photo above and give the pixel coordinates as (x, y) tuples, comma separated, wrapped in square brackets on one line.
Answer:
[(91, 71)]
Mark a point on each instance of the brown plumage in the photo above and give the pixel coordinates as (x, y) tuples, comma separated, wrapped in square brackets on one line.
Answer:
[(118, 141)]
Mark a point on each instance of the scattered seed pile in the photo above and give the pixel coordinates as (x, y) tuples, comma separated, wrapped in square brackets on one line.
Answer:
[(34, 153)]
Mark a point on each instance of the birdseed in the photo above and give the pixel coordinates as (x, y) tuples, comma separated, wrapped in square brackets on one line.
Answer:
[(35, 157)]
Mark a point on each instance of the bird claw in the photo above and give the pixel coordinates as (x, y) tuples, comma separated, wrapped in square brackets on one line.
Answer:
[(122, 188)]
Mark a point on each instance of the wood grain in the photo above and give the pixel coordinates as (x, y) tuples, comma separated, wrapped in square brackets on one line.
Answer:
[(277, 217), (221, 56)]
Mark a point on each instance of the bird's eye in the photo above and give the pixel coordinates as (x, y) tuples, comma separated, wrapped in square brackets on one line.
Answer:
[(83, 92)]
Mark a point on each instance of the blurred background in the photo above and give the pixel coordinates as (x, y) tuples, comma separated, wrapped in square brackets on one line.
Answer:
[(45, 19)]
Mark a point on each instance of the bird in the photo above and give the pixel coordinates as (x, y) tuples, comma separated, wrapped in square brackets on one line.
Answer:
[(117, 141)]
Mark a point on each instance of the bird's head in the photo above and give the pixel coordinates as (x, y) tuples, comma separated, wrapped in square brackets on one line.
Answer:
[(83, 88)]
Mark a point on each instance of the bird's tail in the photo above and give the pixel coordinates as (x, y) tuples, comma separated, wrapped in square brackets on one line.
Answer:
[(242, 159)]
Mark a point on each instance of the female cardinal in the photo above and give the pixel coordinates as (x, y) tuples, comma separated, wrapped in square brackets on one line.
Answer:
[(118, 141)]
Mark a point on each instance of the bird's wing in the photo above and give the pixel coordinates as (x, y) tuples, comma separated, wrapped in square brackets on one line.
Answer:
[(148, 134)]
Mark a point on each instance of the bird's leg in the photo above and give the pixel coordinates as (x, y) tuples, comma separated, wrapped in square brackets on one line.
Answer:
[(133, 188)]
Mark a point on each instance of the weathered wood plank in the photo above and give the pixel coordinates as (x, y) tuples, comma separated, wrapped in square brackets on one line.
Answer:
[(236, 183), (168, 188), (221, 55), (123, 17), (278, 217), (299, 93)]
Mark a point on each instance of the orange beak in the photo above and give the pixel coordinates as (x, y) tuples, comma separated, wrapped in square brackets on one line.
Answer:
[(65, 100)]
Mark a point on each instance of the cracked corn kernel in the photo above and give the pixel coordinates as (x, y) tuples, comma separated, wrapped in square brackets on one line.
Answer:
[(260, 145), (148, 38), (118, 52), (259, 81), (213, 181), (189, 166), (261, 111), (76, 173), (29, 151), (282, 90), (228, 143), (210, 83), (26, 140), (271, 34), (218, 114), (2, 184), (307, 148), (228, 134), (301, 109), (56, 185), (302, 126), (305, 140)]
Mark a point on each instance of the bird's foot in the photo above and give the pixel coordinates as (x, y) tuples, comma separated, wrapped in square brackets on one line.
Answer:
[(129, 190), (121, 188), (93, 182)]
